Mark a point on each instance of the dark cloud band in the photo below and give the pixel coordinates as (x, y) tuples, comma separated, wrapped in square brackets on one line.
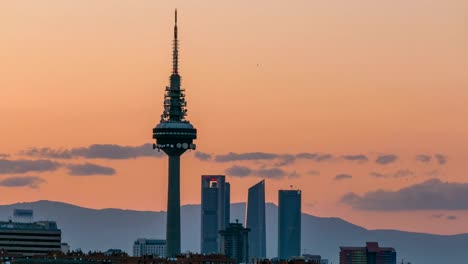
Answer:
[(89, 169), (22, 181), (25, 166), (97, 151), (432, 194)]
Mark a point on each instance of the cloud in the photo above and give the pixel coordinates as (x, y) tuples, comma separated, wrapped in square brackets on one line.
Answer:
[(397, 174), (448, 217), (313, 173), (202, 156), (432, 194), (24, 166), (441, 159), (88, 169), (314, 156), (306, 155), (343, 176), (23, 181), (285, 160), (96, 151), (231, 156), (271, 173), (437, 216), (294, 175), (238, 171), (358, 158), (434, 173), (4, 156), (386, 159), (424, 158)]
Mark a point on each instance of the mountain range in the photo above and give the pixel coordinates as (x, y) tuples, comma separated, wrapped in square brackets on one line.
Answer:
[(91, 229)]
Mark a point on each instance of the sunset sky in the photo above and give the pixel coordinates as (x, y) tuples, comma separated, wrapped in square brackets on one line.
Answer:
[(363, 105)]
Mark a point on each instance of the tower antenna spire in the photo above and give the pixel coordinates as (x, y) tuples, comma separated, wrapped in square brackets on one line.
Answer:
[(175, 49)]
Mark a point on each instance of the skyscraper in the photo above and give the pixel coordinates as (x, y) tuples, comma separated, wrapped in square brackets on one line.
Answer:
[(234, 242), (256, 220), (289, 223), (370, 254), (215, 207), (174, 135)]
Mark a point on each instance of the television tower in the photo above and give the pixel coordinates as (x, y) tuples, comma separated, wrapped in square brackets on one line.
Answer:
[(174, 135)]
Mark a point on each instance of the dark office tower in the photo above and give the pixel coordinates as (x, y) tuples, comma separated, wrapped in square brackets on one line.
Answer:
[(370, 254), (235, 242), (174, 135), (256, 221), (215, 207), (289, 224)]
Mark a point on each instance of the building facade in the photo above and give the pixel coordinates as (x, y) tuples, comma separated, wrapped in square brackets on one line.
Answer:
[(215, 208), (289, 223), (36, 238), (149, 247), (255, 221), (235, 242), (370, 254)]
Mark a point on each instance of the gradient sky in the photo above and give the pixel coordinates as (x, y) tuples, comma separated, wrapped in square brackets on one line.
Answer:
[(387, 80)]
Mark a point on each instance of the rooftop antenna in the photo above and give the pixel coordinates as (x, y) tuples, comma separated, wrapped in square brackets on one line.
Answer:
[(175, 49)]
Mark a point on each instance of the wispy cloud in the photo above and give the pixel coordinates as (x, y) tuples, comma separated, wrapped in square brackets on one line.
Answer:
[(270, 173), (239, 171), (441, 159), (443, 216), (313, 172), (386, 159), (432, 194), (424, 158), (340, 177), (282, 159), (97, 151), (4, 156), (22, 181), (231, 156), (88, 169), (357, 158), (25, 166), (203, 156), (397, 174)]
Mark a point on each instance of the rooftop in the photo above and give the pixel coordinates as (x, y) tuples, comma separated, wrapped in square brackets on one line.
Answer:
[(41, 225)]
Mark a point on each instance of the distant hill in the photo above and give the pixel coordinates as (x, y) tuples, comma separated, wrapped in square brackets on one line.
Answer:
[(91, 229)]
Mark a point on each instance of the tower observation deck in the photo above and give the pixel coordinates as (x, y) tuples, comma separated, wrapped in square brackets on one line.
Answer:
[(174, 135)]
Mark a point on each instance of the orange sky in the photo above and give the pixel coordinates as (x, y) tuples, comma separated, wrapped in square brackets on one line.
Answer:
[(338, 77)]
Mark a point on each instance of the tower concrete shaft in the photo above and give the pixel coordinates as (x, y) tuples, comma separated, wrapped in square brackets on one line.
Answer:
[(173, 207)]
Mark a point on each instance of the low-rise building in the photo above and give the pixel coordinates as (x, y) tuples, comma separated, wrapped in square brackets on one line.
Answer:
[(149, 247), (370, 254), (36, 238)]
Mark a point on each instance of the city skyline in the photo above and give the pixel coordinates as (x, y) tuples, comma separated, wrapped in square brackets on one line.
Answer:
[(376, 100)]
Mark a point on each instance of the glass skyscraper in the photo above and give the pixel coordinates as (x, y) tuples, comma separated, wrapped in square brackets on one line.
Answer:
[(289, 224), (256, 221), (215, 208)]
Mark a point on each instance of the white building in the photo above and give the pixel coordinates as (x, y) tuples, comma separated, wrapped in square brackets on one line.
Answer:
[(146, 247)]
